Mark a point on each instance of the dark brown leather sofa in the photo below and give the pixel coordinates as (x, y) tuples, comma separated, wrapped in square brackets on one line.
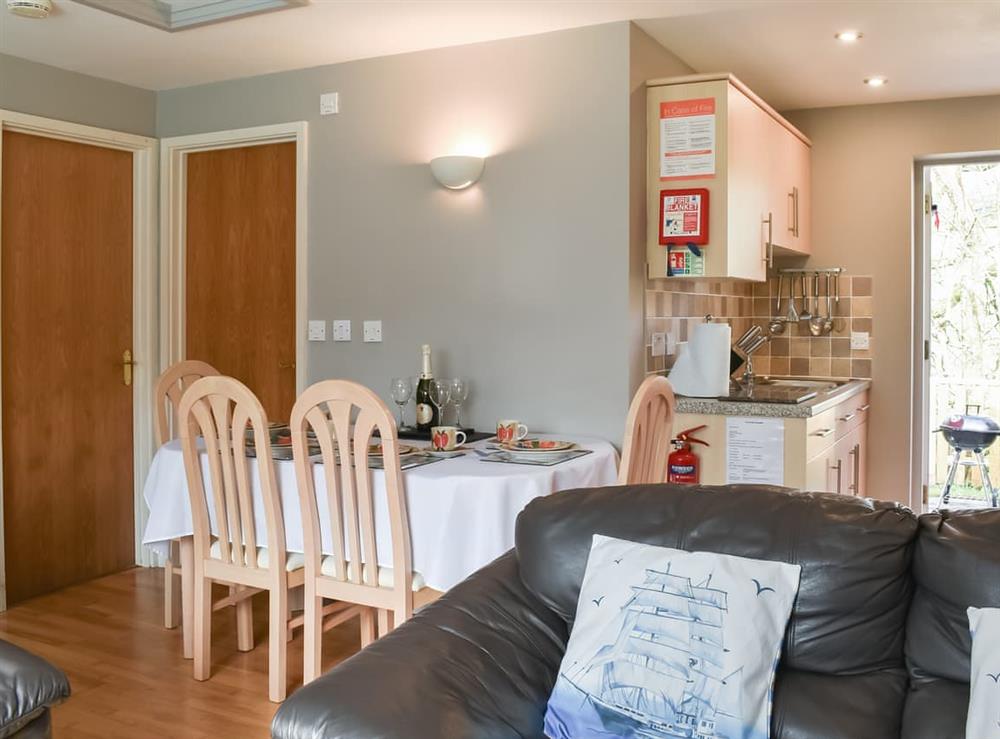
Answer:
[(29, 687), (877, 645)]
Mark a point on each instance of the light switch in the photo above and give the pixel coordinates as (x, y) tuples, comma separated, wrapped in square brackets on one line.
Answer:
[(341, 330), (859, 340), (671, 345), (317, 330), (658, 344), (329, 103), (373, 331)]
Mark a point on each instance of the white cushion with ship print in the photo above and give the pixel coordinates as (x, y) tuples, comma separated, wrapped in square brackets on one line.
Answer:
[(983, 721), (668, 643)]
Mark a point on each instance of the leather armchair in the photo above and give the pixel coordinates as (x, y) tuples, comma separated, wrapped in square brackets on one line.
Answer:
[(29, 686)]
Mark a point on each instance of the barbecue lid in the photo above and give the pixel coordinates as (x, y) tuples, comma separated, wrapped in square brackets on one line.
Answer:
[(977, 424)]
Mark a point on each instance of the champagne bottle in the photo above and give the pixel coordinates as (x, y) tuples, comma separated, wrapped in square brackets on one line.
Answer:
[(427, 414)]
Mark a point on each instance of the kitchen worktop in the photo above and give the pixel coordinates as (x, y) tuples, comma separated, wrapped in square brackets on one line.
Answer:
[(814, 406)]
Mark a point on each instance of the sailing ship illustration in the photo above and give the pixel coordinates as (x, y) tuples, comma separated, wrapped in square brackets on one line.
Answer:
[(665, 675)]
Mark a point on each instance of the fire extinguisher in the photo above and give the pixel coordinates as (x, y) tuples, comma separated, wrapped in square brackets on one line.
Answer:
[(682, 465)]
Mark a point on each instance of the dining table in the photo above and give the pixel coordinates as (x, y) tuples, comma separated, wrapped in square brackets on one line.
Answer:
[(461, 511)]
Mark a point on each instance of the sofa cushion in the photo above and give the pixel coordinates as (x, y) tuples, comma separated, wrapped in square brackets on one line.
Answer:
[(935, 709), (956, 564), (855, 555), (808, 705), (28, 686)]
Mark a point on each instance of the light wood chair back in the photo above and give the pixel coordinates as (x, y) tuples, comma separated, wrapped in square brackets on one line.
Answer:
[(223, 411), (344, 416), (648, 431), (170, 386), (167, 392)]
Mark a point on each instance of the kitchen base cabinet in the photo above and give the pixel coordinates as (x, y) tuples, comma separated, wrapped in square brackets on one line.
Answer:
[(827, 452)]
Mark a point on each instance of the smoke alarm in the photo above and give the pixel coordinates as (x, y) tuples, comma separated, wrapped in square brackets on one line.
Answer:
[(30, 8)]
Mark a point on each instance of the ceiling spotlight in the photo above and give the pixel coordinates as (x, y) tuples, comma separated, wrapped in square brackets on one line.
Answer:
[(876, 81), (848, 37), (30, 8)]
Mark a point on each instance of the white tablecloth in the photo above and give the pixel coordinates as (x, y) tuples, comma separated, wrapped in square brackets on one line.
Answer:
[(461, 510)]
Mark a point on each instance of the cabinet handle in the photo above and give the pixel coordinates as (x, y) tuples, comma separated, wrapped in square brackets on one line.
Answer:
[(840, 469), (822, 433), (768, 257), (864, 408), (793, 196), (855, 455), (848, 417)]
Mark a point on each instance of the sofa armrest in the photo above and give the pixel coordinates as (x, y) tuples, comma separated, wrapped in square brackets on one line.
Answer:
[(478, 662), (28, 686)]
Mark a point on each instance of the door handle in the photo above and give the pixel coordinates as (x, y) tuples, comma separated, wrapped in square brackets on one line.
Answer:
[(286, 365), (127, 364)]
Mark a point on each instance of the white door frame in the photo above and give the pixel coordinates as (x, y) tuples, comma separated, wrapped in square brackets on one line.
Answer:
[(144, 266), (173, 200), (920, 464)]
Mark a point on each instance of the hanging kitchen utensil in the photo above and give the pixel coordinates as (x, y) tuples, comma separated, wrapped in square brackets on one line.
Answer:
[(817, 322), (777, 324), (806, 313), (828, 321), (791, 315)]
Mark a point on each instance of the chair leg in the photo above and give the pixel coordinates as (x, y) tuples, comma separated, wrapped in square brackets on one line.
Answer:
[(368, 633), (171, 598), (312, 631), (277, 643), (202, 627), (187, 594), (244, 623)]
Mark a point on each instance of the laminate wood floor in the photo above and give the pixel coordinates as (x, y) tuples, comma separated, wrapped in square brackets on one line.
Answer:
[(128, 677)]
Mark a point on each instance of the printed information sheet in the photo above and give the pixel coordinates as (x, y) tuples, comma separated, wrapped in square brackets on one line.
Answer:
[(755, 451), (687, 139)]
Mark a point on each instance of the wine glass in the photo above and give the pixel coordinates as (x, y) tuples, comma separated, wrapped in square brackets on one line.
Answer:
[(459, 394), (440, 392), (402, 389)]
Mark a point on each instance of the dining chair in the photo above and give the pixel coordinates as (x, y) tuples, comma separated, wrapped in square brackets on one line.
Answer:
[(648, 430), (227, 415), (344, 417), (167, 392)]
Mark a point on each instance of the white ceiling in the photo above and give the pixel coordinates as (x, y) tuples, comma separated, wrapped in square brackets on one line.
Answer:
[(787, 54), (784, 49), (98, 43)]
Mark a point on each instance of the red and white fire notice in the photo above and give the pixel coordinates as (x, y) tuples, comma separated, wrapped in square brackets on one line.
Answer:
[(687, 139)]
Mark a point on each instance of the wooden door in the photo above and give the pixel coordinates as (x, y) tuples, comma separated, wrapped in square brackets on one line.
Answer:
[(240, 268), (66, 281)]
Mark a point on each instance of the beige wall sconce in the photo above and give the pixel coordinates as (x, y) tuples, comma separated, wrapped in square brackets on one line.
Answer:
[(457, 172)]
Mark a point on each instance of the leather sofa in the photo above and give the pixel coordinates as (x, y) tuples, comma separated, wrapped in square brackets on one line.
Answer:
[(29, 687), (877, 645)]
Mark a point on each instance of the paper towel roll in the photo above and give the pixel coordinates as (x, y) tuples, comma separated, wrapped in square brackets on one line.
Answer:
[(702, 367)]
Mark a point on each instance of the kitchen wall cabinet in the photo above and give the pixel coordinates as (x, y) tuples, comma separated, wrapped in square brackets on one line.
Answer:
[(759, 187), (827, 452)]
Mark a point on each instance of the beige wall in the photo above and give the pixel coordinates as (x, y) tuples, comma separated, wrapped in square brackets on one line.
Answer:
[(521, 282), (862, 179), (38, 89), (647, 60)]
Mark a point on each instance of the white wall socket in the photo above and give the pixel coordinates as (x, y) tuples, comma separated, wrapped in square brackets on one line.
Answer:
[(329, 103), (373, 331), (859, 340), (317, 330), (341, 330), (658, 344)]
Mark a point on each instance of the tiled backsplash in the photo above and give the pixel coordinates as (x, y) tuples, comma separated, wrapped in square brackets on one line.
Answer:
[(674, 306)]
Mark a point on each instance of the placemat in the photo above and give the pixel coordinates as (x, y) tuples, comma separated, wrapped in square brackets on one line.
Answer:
[(505, 458)]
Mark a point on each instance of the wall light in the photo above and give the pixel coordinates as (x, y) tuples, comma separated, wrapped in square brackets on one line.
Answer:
[(457, 172)]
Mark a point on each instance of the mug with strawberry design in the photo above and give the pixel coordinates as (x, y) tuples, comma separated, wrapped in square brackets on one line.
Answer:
[(508, 431), (446, 438)]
